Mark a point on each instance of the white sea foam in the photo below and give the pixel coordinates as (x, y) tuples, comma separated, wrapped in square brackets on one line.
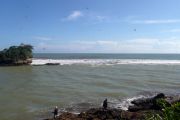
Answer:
[(125, 103), (104, 61)]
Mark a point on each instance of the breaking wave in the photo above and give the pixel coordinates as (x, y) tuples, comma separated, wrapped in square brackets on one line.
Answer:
[(104, 61)]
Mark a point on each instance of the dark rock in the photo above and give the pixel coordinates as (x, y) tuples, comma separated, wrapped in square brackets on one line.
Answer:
[(102, 114), (52, 64), (140, 110), (146, 103), (173, 99), (17, 63), (68, 116), (158, 96)]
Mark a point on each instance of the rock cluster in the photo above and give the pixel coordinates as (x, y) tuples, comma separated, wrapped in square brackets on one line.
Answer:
[(139, 110)]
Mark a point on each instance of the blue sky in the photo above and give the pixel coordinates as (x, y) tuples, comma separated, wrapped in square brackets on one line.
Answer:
[(92, 26)]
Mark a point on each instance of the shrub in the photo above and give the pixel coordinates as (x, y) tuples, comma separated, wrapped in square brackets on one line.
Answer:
[(169, 112), (15, 54)]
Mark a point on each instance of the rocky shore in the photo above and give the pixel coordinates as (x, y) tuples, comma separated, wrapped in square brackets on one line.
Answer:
[(140, 110), (17, 63)]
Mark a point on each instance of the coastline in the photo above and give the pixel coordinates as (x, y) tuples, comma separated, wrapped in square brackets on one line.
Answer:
[(140, 109), (99, 78)]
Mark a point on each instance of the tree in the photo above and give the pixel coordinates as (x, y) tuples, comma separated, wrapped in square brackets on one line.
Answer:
[(16, 54)]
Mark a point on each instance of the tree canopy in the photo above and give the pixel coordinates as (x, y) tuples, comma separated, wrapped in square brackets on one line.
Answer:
[(15, 54)]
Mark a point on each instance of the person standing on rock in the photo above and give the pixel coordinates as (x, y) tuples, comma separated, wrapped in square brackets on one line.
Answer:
[(105, 104), (55, 112)]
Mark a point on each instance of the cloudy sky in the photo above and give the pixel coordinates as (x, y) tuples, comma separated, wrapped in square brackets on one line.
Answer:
[(92, 26)]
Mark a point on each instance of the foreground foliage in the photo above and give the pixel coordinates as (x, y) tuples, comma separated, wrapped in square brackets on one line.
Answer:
[(169, 112), (173, 112)]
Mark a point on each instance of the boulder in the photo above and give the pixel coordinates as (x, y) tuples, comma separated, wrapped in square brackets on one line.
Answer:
[(173, 99), (52, 64), (146, 103)]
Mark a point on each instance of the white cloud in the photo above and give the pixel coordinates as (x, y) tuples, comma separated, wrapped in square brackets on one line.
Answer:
[(74, 15), (42, 38), (87, 17), (141, 45), (160, 21)]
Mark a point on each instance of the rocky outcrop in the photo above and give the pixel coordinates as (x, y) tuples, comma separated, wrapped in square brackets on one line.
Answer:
[(140, 109), (173, 99), (52, 64), (102, 114), (152, 103), (17, 63), (146, 103)]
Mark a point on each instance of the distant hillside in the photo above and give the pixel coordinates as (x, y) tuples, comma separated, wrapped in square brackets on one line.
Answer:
[(16, 55)]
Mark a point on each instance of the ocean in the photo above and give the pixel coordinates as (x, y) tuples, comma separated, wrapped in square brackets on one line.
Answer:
[(83, 81)]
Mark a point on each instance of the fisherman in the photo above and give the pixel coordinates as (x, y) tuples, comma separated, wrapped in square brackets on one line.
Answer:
[(105, 104), (55, 112)]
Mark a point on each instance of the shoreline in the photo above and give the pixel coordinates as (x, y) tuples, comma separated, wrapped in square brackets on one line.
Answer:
[(139, 110)]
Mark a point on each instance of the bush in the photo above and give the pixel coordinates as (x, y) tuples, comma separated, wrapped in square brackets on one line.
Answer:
[(172, 113), (15, 54), (169, 112), (162, 103)]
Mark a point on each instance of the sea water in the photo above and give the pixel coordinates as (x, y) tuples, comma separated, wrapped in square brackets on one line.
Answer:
[(83, 81)]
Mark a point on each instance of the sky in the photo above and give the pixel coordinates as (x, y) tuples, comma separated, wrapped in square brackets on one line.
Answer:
[(91, 26)]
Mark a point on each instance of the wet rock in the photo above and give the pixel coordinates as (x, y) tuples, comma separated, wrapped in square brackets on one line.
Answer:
[(68, 116), (52, 64), (159, 96), (102, 114), (146, 103), (173, 99), (142, 107)]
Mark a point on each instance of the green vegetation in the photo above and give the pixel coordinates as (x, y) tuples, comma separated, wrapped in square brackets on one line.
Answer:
[(169, 112), (16, 55), (162, 103), (173, 112)]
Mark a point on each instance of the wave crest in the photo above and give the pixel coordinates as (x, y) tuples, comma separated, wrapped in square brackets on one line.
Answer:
[(104, 61)]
